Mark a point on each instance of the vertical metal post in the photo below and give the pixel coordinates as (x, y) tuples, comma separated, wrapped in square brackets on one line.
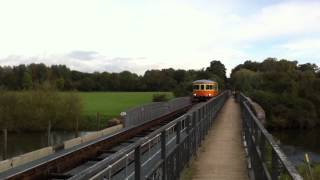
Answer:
[(275, 166), (207, 119), (49, 133), (199, 127), (178, 153), (137, 163), (98, 120), (203, 122), (5, 144), (194, 139), (262, 146), (211, 113), (188, 118), (164, 155), (76, 133)]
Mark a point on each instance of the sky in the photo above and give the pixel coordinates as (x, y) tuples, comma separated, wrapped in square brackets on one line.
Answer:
[(105, 35)]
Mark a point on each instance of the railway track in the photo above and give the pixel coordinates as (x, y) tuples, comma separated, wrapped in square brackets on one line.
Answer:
[(69, 163)]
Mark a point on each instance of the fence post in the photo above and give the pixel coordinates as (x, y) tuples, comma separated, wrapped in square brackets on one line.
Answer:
[(178, 153), (98, 120), (203, 123), (76, 129), (188, 139), (208, 118), (137, 163), (164, 155), (49, 133), (211, 113), (194, 137), (275, 166), (199, 127), (5, 144)]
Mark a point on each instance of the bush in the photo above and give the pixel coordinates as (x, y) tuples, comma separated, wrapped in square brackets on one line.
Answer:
[(160, 97), (184, 89), (32, 110)]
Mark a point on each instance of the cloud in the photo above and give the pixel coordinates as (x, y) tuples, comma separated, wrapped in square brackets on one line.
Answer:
[(119, 35), (83, 55), (304, 49), (88, 61)]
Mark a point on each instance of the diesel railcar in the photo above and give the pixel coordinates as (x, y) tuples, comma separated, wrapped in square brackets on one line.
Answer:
[(204, 89)]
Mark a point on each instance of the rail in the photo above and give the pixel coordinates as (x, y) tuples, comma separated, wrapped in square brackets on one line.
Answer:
[(163, 153), (266, 160)]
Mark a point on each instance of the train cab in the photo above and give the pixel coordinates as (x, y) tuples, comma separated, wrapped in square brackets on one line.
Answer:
[(204, 89)]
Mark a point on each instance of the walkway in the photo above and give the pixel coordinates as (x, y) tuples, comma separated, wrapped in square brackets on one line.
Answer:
[(222, 155)]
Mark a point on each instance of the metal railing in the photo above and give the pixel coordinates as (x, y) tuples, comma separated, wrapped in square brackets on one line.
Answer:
[(266, 160), (162, 154), (142, 114)]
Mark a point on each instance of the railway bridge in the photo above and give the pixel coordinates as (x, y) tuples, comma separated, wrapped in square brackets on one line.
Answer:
[(218, 139)]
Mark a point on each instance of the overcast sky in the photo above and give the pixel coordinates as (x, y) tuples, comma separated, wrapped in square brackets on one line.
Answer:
[(136, 35)]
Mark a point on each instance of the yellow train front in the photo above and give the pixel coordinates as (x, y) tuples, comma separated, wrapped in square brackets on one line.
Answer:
[(204, 89)]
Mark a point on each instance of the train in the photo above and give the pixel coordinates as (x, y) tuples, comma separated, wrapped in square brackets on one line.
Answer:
[(204, 89)]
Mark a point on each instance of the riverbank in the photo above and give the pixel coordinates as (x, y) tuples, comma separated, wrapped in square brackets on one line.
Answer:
[(30, 111), (295, 144), (19, 143)]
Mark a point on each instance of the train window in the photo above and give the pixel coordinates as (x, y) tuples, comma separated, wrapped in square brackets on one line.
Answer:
[(195, 87), (215, 87), (209, 87), (202, 87)]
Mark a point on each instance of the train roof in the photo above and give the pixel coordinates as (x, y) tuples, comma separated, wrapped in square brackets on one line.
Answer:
[(204, 81)]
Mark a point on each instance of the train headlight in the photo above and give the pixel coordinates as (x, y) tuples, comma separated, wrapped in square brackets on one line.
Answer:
[(194, 94), (209, 94)]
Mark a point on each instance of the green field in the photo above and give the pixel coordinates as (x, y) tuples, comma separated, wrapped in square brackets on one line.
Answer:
[(110, 104)]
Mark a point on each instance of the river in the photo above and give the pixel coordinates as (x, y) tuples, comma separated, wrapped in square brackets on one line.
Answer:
[(20, 143), (295, 143)]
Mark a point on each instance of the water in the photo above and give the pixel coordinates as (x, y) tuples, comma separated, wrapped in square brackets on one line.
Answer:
[(20, 143), (295, 143)]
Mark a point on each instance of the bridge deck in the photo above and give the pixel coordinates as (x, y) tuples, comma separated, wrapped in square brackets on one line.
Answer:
[(222, 155)]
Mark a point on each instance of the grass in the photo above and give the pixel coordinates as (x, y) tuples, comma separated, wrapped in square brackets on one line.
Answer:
[(305, 173), (111, 104)]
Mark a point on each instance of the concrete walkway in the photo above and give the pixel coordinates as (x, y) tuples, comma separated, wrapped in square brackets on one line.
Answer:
[(222, 155)]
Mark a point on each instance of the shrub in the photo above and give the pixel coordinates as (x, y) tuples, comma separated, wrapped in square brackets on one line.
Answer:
[(160, 97), (33, 110)]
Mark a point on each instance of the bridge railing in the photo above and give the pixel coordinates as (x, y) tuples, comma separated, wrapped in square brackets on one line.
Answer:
[(266, 159), (147, 112), (164, 153)]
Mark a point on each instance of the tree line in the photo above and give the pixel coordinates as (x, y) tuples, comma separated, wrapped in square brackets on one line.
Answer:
[(26, 77), (30, 99), (289, 92)]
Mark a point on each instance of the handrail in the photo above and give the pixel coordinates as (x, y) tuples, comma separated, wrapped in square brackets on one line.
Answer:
[(266, 158), (169, 156)]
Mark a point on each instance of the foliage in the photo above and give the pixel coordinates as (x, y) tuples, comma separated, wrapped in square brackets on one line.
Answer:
[(217, 68), (305, 173), (160, 97), (24, 77), (288, 92), (32, 110)]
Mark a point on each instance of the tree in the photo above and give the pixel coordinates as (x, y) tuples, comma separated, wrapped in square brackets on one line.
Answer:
[(60, 83), (288, 92), (26, 81), (217, 68), (308, 67)]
